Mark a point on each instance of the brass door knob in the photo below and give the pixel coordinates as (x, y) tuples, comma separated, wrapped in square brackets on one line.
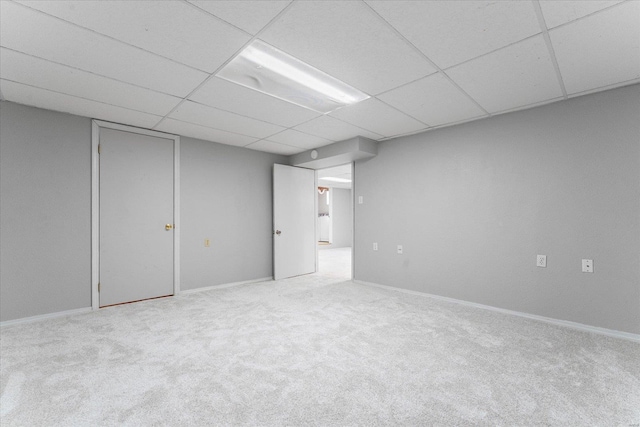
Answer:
[(168, 227)]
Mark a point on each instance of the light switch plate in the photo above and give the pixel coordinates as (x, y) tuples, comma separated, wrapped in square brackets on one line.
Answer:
[(541, 261), (587, 266), (400, 249), (360, 200), (375, 246)]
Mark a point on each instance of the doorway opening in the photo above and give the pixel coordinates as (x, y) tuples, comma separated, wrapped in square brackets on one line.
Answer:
[(335, 221)]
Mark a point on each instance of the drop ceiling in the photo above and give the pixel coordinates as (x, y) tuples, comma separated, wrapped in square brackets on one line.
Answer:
[(342, 172), (424, 64)]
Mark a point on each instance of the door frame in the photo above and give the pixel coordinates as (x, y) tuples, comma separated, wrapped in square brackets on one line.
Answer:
[(353, 220), (96, 125)]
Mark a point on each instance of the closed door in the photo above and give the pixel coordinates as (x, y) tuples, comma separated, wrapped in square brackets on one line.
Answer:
[(294, 219), (136, 216)]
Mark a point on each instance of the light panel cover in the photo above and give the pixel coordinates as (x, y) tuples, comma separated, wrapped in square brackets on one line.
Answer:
[(264, 68)]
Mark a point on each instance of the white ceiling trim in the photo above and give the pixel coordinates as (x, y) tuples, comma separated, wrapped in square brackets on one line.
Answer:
[(606, 87), (547, 40)]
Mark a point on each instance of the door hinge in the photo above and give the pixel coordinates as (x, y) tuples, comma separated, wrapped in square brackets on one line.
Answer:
[(98, 286), (98, 148)]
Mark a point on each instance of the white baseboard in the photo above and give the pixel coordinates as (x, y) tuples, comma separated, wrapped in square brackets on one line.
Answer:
[(566, 323), (44, 317), (89, 309), (226, 285)]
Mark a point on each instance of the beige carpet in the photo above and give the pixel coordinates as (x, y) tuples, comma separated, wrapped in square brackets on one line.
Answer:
[(312, 351)]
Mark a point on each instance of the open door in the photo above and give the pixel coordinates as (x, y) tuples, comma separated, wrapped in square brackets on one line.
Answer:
[(294, 221)]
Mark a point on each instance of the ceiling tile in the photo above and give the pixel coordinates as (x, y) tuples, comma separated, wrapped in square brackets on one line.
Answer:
[(599, 50), (346, 40), (37, 72), (41, 98), (29, 31), (334, 185), (299, 139), (342, 171), (560, 12), (251, 16), (202, 132), (336, 130), (238, 99), (450, 32), (378, 117), (173, 29), (274, 147), (517, 75), (433, 100), (199, 114)]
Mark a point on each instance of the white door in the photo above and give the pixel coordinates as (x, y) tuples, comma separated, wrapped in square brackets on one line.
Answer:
[(294, 220), (136, 216)]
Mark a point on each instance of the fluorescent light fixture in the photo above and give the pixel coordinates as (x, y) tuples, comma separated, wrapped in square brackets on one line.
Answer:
[(266, 69), (332, 179)]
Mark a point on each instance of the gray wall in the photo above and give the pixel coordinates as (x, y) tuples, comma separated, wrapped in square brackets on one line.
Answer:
[(45, 212), (473, 205), (342, 218), (226, 196)]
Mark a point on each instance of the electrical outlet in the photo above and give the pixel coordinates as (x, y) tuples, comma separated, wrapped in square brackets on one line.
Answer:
[(587, 266), (541, 261), (207, 243), (399, 249), (375, 246)]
